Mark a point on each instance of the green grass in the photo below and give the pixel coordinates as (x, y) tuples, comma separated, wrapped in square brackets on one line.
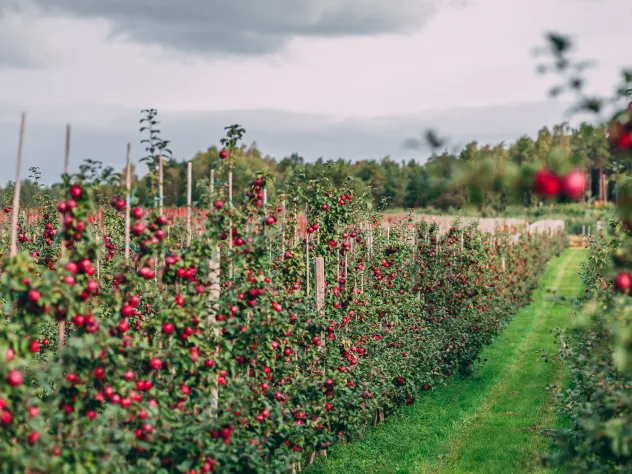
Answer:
[(489, 423)]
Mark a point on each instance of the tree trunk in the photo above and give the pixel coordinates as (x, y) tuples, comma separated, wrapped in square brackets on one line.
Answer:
[(600, 184)]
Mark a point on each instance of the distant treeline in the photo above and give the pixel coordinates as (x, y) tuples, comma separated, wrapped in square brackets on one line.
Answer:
[(412, 184)]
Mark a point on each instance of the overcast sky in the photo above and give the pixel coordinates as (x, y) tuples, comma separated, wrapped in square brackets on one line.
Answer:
[(350, 78)]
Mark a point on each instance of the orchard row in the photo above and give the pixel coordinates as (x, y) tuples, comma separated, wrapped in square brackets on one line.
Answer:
[(131, 346)]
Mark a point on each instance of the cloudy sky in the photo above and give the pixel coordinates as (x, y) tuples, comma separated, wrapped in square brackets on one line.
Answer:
[(330, 78)]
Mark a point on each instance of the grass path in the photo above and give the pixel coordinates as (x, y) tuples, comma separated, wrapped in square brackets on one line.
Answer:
[(489, 423)]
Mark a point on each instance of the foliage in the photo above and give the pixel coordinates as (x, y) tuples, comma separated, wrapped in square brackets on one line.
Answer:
[(215, 357), (432, 181), (598, 347), (598, 401)]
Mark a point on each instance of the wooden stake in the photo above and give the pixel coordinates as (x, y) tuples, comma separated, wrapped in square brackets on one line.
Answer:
[(283, 228), (307, 263), (66, 171), (67, 156), (16, 193), (61, 336), (319, 281), (230, 230), (189, 184), (230, 186), (128, 208), (98, 241), (161, 194), (214, 280)]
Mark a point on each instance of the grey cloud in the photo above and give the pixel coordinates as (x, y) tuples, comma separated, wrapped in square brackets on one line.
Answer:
[(20, 47), (248, 27), (277, 133)]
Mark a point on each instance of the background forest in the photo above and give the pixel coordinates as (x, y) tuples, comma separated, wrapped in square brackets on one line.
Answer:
[(427, 184)]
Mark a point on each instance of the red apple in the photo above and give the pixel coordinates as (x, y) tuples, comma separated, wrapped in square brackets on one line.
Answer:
[(34, 295), (138, 228), (547, 183), (623, 282), (625, 141), (99, 373), (574, 184), (75, 191), (92, 286), (32, 438), (15, 378), (123, 325)]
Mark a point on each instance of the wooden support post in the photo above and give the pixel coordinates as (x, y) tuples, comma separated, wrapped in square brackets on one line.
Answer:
[(214, 294), (230, 227), (62, 324), (66, 169), (319, 282), (189, 186), (128, 208), (230, 186), (16, 192), (98, 242), (67, 154), (283, 227), (307, 269), (161, 194)]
